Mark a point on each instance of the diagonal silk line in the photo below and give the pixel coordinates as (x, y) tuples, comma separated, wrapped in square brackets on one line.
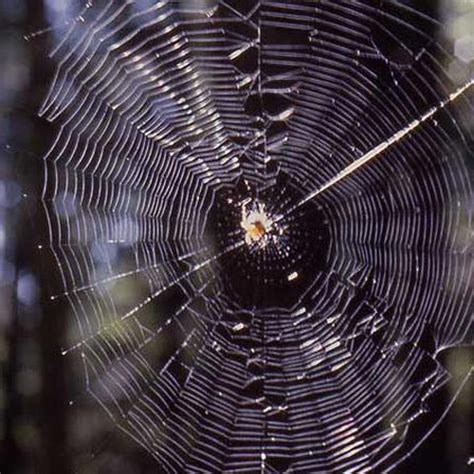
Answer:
[(126, 274), (155, 333), (157, 293), (172, 283), (375, 152)]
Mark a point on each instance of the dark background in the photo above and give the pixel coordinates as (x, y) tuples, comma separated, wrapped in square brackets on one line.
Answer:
[(48, 422)]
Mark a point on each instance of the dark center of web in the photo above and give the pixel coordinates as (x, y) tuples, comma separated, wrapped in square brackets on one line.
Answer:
[(278, 258)]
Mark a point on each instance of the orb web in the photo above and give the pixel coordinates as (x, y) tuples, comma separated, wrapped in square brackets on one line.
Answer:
[(261, 214)]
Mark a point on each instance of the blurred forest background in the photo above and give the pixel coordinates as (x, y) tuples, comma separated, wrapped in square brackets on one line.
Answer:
[(48, 423)]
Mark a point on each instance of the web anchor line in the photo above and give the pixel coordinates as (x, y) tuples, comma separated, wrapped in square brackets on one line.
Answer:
[(380, 148), (157, 293)]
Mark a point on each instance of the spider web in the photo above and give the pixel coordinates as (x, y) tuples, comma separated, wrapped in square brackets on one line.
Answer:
[(315, 351)]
